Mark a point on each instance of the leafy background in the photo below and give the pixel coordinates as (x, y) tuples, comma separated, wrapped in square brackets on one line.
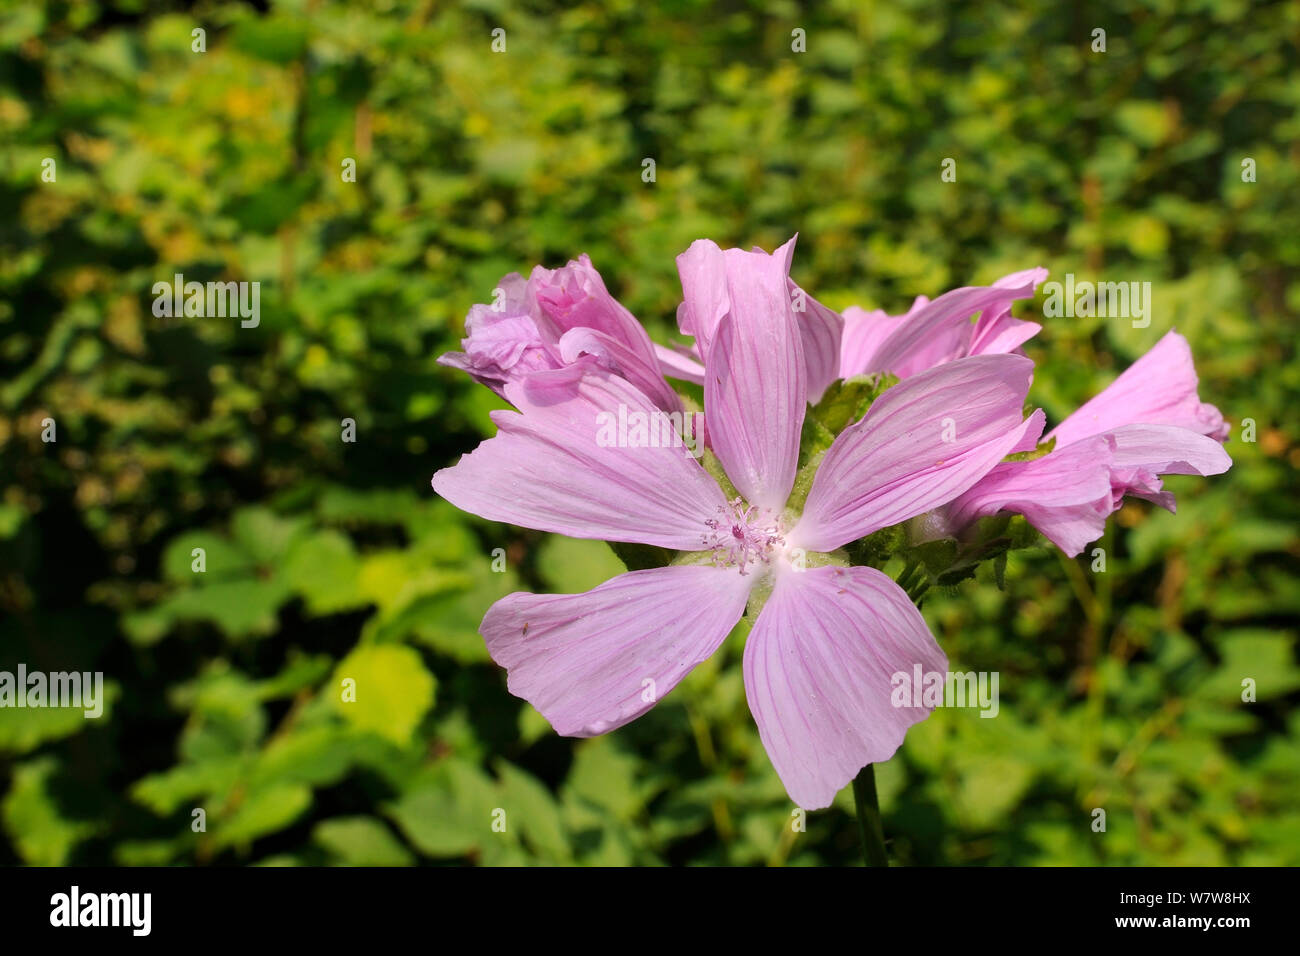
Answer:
[(324, 559)]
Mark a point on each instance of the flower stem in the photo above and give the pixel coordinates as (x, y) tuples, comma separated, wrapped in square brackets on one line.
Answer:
[(870, 827), (915, 581)]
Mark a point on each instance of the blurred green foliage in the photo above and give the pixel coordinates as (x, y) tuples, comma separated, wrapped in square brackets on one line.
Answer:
[(327, 560)]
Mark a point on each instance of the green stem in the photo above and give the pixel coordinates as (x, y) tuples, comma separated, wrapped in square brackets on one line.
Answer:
[(907, 580), (914, 581), (870, 827)]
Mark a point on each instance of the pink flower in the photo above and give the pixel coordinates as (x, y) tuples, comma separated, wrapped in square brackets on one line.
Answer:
[(1160, 388), (706, 298), (1147, 423), (931, 333), (549, 322), (819, 660)]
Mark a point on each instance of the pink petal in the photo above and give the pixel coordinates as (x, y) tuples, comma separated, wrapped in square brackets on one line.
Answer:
[(1157, 389), (818, 667), (711, 277), (999, 333), (618, 357), (1168, 450), (1031, 277), (584, 660), (865, 332), (941, 331), (754, 391), (704, 292), (679, 362), (546, 469), (502, 344), (574, 310), (895, 464), (820, 330), (1065, 494), (1069, 493)]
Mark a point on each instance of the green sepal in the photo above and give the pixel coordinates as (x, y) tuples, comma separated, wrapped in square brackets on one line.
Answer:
[(1000, 571), (936, 556), (813, 441), (803, 482), (1022, 533), (844, 403), (875, 549), (689, 558), (1044, 447), (847, 400), (714, 467)]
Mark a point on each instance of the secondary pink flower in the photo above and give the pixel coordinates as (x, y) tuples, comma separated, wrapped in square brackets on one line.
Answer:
[(1147, 423), (703, 269), (551, 321), (820, 656), (1160, 388), (931, 333)]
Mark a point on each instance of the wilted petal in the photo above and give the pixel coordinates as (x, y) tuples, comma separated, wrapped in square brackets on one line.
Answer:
[(575, 296), (574, 310), (619, 358), (1140, 454), (818, 670), (920, 445), (547, 469), (502, 342), (1168, 450), (1157, 389), (595, 661)]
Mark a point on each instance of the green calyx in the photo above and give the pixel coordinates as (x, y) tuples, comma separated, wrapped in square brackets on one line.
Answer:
[(1044, 447), (844, 404)]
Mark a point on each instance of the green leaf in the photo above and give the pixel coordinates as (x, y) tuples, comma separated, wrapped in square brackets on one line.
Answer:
[(571, 565), (264, 534), (25, 729), (847, 400), (317, 756), (530, 806), (1043, 448), (262, 812), (361, 841), (448, 812), (324, 569), (448, 622), (393, 690), (41, 834), (606, 777), (166, 792), (240, 608), (221, 559)]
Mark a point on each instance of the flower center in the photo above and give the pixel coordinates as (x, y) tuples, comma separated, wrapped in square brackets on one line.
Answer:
[(742, 535)]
